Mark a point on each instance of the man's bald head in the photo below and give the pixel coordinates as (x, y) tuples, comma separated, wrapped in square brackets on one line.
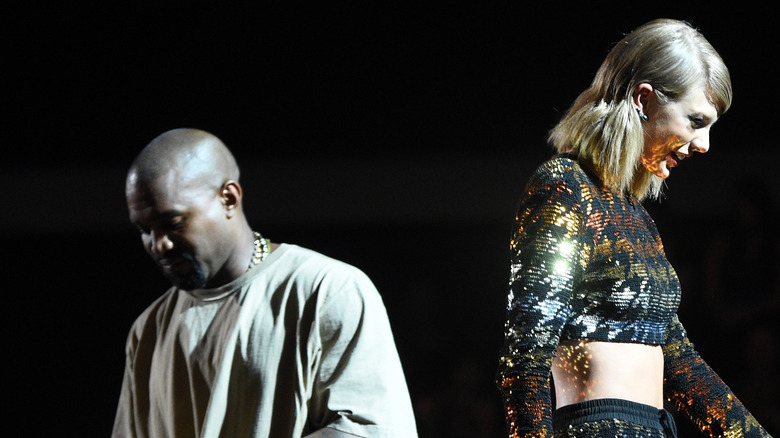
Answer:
[(184, 156), (183, 196)]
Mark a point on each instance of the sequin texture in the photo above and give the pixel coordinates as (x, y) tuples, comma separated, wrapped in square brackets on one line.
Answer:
[(610, 428), (586, 263)]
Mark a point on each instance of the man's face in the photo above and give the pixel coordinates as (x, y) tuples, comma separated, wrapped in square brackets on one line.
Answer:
[(181, 226)]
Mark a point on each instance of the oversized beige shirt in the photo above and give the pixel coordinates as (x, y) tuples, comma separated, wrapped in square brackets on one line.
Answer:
[(298, 343)]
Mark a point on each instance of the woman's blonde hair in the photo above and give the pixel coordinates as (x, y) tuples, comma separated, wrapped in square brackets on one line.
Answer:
[(602, 126)]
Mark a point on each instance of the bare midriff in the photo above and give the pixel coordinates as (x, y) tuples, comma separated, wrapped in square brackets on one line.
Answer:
[(588, 370)]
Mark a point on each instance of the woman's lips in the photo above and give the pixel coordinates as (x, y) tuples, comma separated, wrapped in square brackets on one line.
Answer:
[(671, 160)]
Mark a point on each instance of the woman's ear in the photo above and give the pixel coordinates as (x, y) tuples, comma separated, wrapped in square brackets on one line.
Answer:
[(641, 98), (230, 197), (642, 94)]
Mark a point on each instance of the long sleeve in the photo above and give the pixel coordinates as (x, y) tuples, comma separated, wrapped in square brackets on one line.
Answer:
[(700, 394), (545, 259)]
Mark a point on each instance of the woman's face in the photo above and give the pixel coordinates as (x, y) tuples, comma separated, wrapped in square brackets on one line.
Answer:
[(676, 130)]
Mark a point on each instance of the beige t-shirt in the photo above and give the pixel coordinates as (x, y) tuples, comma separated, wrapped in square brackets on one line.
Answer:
[(298, 343)]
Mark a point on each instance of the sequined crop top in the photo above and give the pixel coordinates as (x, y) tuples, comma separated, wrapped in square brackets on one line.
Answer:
[(588, 263)]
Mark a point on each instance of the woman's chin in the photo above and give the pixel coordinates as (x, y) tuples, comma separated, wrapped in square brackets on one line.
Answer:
[(661, 170)]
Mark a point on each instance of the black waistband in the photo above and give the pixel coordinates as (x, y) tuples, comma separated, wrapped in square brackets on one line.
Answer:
[(613, 408)]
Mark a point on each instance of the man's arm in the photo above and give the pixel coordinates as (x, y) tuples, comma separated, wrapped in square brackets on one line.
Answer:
[(360, 387), (330, 433)]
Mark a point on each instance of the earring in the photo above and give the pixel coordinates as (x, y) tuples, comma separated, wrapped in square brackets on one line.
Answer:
[(642, 115)]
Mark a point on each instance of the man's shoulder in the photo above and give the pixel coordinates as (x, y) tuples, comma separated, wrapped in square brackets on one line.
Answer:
[(308, 265), (155, 313), (298, 257)]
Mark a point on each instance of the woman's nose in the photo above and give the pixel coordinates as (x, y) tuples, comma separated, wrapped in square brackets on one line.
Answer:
[(701, 143)]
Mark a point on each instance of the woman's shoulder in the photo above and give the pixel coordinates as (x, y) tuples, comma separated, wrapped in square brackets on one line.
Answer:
[(560, 170)]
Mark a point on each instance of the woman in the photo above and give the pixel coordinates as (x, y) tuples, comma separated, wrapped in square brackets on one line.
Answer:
[(592, 298)]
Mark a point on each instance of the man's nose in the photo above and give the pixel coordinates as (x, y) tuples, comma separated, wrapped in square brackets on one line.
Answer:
[(160, 243)]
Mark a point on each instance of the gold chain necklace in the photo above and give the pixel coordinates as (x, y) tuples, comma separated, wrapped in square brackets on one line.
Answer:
[(261, 249)]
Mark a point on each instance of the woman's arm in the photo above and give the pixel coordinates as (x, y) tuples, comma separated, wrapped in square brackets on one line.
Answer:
[(544, 262), (700, 394)]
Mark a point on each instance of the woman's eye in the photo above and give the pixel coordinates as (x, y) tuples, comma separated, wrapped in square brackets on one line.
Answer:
[(697, 122)]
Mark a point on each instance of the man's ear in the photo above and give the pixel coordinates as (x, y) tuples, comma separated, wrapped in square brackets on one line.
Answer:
[(230, 197)]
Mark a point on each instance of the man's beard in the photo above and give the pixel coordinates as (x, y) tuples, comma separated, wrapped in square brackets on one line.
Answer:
[(192, 279)]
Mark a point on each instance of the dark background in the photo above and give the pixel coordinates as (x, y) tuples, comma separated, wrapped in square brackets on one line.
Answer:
[(391, 136)]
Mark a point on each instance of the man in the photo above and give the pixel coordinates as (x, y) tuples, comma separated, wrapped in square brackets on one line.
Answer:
[(254, 339)]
